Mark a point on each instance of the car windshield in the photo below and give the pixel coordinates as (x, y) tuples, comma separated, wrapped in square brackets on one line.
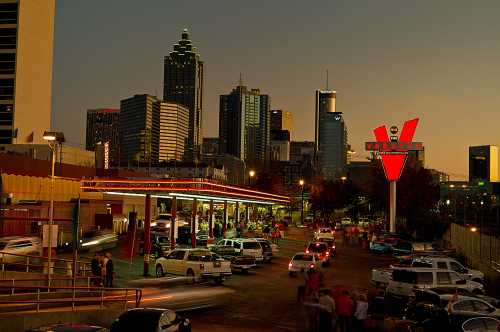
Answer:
[(251, 245), (307, 258), (317, 247)]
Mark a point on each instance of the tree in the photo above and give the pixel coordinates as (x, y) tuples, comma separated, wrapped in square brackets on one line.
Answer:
[(327, 196)]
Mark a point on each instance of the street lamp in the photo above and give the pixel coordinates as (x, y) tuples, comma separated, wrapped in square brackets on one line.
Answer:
[(53, 138), (343, 178), (301, 183), (251, 174)]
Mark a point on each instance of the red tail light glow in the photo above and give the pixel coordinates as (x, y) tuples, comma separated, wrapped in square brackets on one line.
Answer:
[(327, 253), (290, 264), (311, 266), (307, 251)]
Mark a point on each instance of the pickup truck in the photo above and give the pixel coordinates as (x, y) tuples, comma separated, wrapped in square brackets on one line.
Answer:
[(196, 264), (381, 277), (241, 263)]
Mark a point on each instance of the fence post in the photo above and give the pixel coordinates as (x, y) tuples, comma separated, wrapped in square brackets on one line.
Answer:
[(102, 297), (38, 299), (27, 263), (13, 287), (73, 299)]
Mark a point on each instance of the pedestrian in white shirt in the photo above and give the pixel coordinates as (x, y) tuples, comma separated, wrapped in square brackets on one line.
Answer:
[(360, 313)]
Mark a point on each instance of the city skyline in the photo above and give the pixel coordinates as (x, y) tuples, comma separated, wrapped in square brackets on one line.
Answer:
[(425, 68)]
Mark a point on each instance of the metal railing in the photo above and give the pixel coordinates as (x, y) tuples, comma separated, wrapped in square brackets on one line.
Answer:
[(35, 297), (13, 283), (33, 263)]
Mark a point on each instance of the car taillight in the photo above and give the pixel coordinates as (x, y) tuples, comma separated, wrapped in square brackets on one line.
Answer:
[(202, 266), (290, 264), (327, 253), (307, 251), (311, 266), (333, 247)]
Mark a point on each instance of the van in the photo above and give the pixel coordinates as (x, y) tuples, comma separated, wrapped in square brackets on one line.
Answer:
[(405, 280), (246, 247)]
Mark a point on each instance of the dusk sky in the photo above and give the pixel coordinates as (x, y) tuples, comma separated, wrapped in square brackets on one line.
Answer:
[(389, 61)]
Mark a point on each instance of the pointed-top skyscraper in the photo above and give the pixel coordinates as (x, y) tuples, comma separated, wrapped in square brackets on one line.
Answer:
[(183, 84)]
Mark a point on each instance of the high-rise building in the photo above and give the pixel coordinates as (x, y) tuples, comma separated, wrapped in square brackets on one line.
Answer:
[(26, 56), (330, 135), (281, 120), (244, 125), (139, 130), (483, 163), (280, 145), (210, 146), (103, 126), (183, 84), (301, 150), (174, 127)]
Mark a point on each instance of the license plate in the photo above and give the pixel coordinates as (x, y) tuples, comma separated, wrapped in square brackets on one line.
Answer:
[(216, 264)]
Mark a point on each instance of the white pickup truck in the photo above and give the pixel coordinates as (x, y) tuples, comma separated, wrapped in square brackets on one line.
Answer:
[(196, 264), (381, 277)]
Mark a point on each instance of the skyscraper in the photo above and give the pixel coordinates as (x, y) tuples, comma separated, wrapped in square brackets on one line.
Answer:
[(281, 120), (174, 127), (244, 125), (330, 135), (183, 84), (26, 43), (139, 130), (483, 163), (103, 126)]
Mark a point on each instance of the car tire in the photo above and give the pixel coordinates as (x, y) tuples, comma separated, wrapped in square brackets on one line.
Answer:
[(190, 276), (159, 271)]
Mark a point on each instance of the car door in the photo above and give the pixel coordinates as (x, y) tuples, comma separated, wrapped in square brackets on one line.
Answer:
[(172, 261)]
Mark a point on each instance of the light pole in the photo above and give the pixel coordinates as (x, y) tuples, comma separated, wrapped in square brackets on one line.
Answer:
[(53, 138), (251, 174), (301, 183)]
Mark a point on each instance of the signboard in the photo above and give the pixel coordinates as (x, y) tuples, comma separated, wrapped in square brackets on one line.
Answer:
[(394, 146), (106, 155), (45, 237)]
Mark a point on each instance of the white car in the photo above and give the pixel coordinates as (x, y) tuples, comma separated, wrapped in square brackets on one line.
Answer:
[(12, 246), (443, 262), (246, 247), (481, 324), (195, 264), (302, 262), (470, 306), (324, 232), (405, 280)]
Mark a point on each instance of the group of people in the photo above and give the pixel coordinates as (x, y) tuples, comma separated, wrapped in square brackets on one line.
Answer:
[(102, 269), (343, 312)]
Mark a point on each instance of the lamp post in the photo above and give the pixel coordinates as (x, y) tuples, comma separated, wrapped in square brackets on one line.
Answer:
[(251, 174), (301, 183), (53, 138)]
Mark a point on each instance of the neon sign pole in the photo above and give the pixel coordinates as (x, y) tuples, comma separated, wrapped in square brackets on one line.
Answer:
[(393, 152)]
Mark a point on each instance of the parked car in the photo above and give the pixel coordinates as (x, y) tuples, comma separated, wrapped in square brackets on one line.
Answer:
[(267, 249), (405, 280), (444, 262), (241, 263), (69, 328), (481, 324), (160, 244), (196, 264), (383, 246), (443, 290), (381, 277), (18, 245), (468, 307), (246, 247), (321, 251), (98, 240), (150, 320), (301, 262), (407, 247)]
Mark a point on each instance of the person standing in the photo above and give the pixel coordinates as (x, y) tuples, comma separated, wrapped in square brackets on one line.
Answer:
[(95, 267), (361, 313), (109, 270), (104, 261), (327, 315), (345, 310)]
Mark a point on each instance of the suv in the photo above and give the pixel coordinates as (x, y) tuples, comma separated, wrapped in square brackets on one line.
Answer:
[(331, 243), (321, 252), (406, 280), (267, 249), (246, 247), (448, 264), (18, 245)]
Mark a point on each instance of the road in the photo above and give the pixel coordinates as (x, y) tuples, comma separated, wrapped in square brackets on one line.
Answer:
[(265, 300)]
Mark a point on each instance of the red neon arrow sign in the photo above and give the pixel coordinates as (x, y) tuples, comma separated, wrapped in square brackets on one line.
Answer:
[(393, 163)]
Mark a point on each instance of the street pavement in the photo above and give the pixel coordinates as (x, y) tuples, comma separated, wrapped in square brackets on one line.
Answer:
[(266, 298)]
